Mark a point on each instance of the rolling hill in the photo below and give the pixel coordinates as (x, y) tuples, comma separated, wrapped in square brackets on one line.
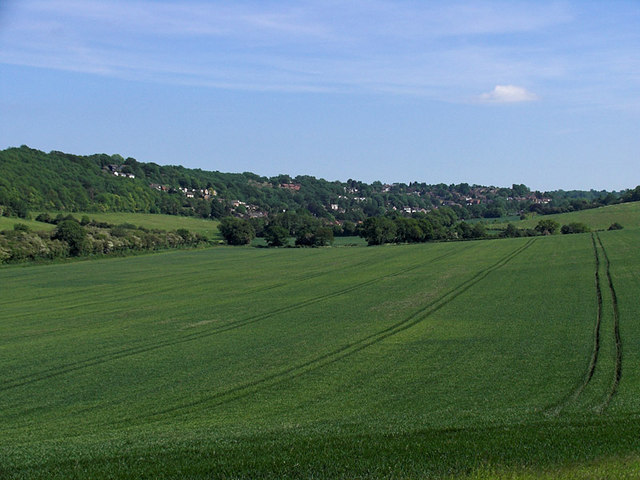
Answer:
[(627, 214)]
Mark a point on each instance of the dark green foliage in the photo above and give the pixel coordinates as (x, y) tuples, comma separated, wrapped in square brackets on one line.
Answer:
[(349, 229), (547, 227), (479, 230), (276, 236), (36, 181), (44, 217), (440, 224), (74, 235), (475, 231), (632, 195), (315, 237), (511, 231), (378, 230), (574, 227), (323, 236), (21, 227), (615, 226), (184, 233), (236, 231), (408, 230)]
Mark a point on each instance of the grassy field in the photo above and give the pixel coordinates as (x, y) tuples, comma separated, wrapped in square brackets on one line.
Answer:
[(147, 220), (7, 223), (515, 358), (627, 214)]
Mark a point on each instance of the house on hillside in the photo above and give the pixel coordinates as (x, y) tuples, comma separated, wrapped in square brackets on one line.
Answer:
[(290, 186)]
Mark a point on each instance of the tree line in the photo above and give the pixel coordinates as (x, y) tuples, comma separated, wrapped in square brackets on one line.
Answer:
[(88, 238), (438, 225), (31, 180)]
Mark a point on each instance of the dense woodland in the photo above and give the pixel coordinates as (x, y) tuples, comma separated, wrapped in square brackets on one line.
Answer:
[(35, 181)]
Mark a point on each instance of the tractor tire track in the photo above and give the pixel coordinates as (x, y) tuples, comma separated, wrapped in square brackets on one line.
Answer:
[(617, 372), (593, 361), (616, 332), (345, 351), (136, 350)]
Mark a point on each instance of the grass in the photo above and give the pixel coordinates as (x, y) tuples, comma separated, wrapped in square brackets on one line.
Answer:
[(627, 214), (453, 360), (154, 221), (7, 223)]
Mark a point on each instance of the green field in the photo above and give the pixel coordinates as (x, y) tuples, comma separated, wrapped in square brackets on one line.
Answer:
[(7, 223), (627, 214), (147, 220), (515, 358)]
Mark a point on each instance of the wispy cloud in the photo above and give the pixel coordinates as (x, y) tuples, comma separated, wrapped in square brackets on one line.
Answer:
[(446, 52), (508, 94)]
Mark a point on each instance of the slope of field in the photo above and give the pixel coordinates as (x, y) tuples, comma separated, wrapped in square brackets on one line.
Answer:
[(508, 358), (7, 223), (627, 214), (147, 220), (155, 221)]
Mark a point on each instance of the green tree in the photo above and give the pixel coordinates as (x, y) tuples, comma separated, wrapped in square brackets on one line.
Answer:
[(21, 227), (276, 236), (323, 236), (615, 226), (71, 231), (511, 231), (574, 227), (236, 231), (378, 230), (408, 230), (479, 230), (547, 227)]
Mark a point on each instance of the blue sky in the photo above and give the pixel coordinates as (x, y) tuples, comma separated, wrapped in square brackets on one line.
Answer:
[(489, 92)]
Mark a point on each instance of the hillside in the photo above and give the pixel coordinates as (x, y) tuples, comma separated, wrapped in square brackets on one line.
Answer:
[(465, 359), (626, 214), (31, 180)]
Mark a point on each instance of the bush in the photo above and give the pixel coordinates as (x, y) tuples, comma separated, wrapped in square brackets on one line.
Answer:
[(547, 227), (511, 231), (236, 231), (276, 236), (378, 230), (615, 226), (575, 227), (44, 217), (71, 231)]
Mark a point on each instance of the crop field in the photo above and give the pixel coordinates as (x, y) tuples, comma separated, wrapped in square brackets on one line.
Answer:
[(154, 221), (515, 358), (627, 214)]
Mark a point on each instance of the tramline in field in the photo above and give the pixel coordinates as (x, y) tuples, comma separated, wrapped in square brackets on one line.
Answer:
[(504, 357)]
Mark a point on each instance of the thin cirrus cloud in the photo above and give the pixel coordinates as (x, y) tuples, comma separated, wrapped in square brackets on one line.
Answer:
[(508, 94), (440, 51)]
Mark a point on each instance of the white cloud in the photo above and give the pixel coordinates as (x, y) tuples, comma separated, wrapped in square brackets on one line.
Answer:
[(508, 94)]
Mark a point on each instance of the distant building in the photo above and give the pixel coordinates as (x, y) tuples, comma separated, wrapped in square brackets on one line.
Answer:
[(290, 186)]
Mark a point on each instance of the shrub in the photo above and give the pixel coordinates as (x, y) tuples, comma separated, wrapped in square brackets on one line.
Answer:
[(236, 231), (547, 227), (276, 236), (71, 231), (575, 227)]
